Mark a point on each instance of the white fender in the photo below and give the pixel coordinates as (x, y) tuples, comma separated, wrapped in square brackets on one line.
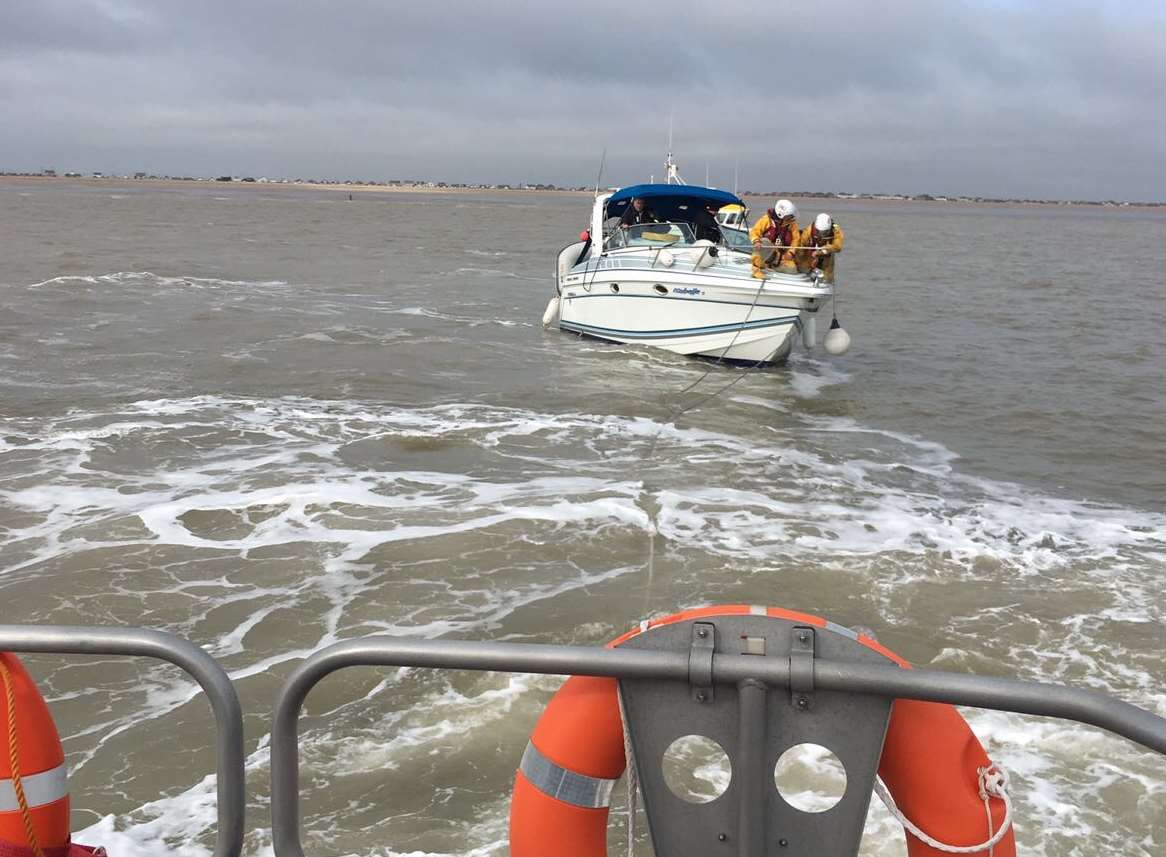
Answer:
[(568, 256), (837, 341), (704, 258), (666, 258), (809, 330), (552, 312)]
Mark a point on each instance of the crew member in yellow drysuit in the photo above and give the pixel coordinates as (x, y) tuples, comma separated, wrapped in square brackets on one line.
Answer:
[(775, 238), (819, 243)]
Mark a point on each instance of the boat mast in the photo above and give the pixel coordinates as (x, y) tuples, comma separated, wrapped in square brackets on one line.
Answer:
[(671, 171)]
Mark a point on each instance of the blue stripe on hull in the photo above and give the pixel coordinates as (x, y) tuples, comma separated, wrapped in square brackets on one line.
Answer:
[(779, 358), (595, 330)]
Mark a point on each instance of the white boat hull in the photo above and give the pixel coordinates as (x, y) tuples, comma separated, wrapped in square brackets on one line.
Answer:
[(690, 313)]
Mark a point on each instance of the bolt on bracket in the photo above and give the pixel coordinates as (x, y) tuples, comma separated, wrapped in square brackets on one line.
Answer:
[(801, 667), (700, 661)]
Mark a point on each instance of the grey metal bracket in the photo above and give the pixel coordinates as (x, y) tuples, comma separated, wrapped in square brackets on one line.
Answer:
[(754, 723), (216, 684), (801, 667), (700, 661)]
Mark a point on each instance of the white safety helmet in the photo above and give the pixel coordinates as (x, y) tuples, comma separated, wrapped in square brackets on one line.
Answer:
[(823, 222), (783, 208)]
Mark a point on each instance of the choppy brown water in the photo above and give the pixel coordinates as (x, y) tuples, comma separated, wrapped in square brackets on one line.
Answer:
[(268, 420)]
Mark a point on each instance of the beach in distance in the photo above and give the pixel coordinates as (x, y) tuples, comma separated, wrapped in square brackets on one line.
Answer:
[(757, 200)]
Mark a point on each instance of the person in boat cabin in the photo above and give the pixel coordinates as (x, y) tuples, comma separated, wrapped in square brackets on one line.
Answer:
[(819, 243), (775, 238), (704, 224), (638, 212)]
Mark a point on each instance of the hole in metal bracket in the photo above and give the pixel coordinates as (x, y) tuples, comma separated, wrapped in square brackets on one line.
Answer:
[(696, 769), (810, 778)]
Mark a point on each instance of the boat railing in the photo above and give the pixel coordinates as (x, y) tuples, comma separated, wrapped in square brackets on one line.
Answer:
[(216, 684), (667, 679), (769, 676), (614, 252)]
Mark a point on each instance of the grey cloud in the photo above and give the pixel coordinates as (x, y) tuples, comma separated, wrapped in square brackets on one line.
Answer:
[(998, 98)]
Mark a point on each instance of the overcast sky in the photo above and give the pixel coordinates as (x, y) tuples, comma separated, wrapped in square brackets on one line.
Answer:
[(1050, 99)]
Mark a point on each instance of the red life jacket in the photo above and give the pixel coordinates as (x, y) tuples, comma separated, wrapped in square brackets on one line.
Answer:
[(774, 231), (770, 233), (820, 239)]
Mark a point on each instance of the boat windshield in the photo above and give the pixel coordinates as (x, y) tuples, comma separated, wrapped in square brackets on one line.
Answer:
[(737, 239), (652, 235)]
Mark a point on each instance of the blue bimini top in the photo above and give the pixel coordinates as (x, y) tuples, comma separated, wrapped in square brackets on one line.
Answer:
[(670, 201)]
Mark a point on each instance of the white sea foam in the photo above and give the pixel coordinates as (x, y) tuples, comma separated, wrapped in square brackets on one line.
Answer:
[(469, 321), (498, 272), (182, 823), (809, 376), (446, 716), (835, 506), (147, 278)]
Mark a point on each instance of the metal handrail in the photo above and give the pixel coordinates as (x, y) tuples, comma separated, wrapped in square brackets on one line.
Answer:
[(1084, 706), (78, 640)]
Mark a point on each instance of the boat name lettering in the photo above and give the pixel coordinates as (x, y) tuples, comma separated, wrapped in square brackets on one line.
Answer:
[(687, 290)]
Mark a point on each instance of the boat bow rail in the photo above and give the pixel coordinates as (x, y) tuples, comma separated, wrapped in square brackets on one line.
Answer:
[(216, 684), (754, 682)]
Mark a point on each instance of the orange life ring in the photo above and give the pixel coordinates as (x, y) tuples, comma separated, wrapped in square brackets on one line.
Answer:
[(930, 764), (34, 798)]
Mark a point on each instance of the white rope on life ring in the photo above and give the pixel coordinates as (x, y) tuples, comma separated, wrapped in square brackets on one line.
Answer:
[(993, 784)]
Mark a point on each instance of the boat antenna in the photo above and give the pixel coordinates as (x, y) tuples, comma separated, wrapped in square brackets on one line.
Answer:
[(706, 173), (599, 177), (671, 172), (736, 166)]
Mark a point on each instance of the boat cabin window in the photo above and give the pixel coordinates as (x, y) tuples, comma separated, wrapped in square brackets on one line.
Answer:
[(734, 218), (652, 235)]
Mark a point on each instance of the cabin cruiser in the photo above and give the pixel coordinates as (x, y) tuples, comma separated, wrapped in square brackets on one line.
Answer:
[(684, 284)]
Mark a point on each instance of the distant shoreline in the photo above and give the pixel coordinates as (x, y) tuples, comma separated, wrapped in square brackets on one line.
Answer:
[(439, 188), (120, 182)]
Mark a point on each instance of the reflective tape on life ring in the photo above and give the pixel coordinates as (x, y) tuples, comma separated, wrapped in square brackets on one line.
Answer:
[(568, 786), (39, 789)]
